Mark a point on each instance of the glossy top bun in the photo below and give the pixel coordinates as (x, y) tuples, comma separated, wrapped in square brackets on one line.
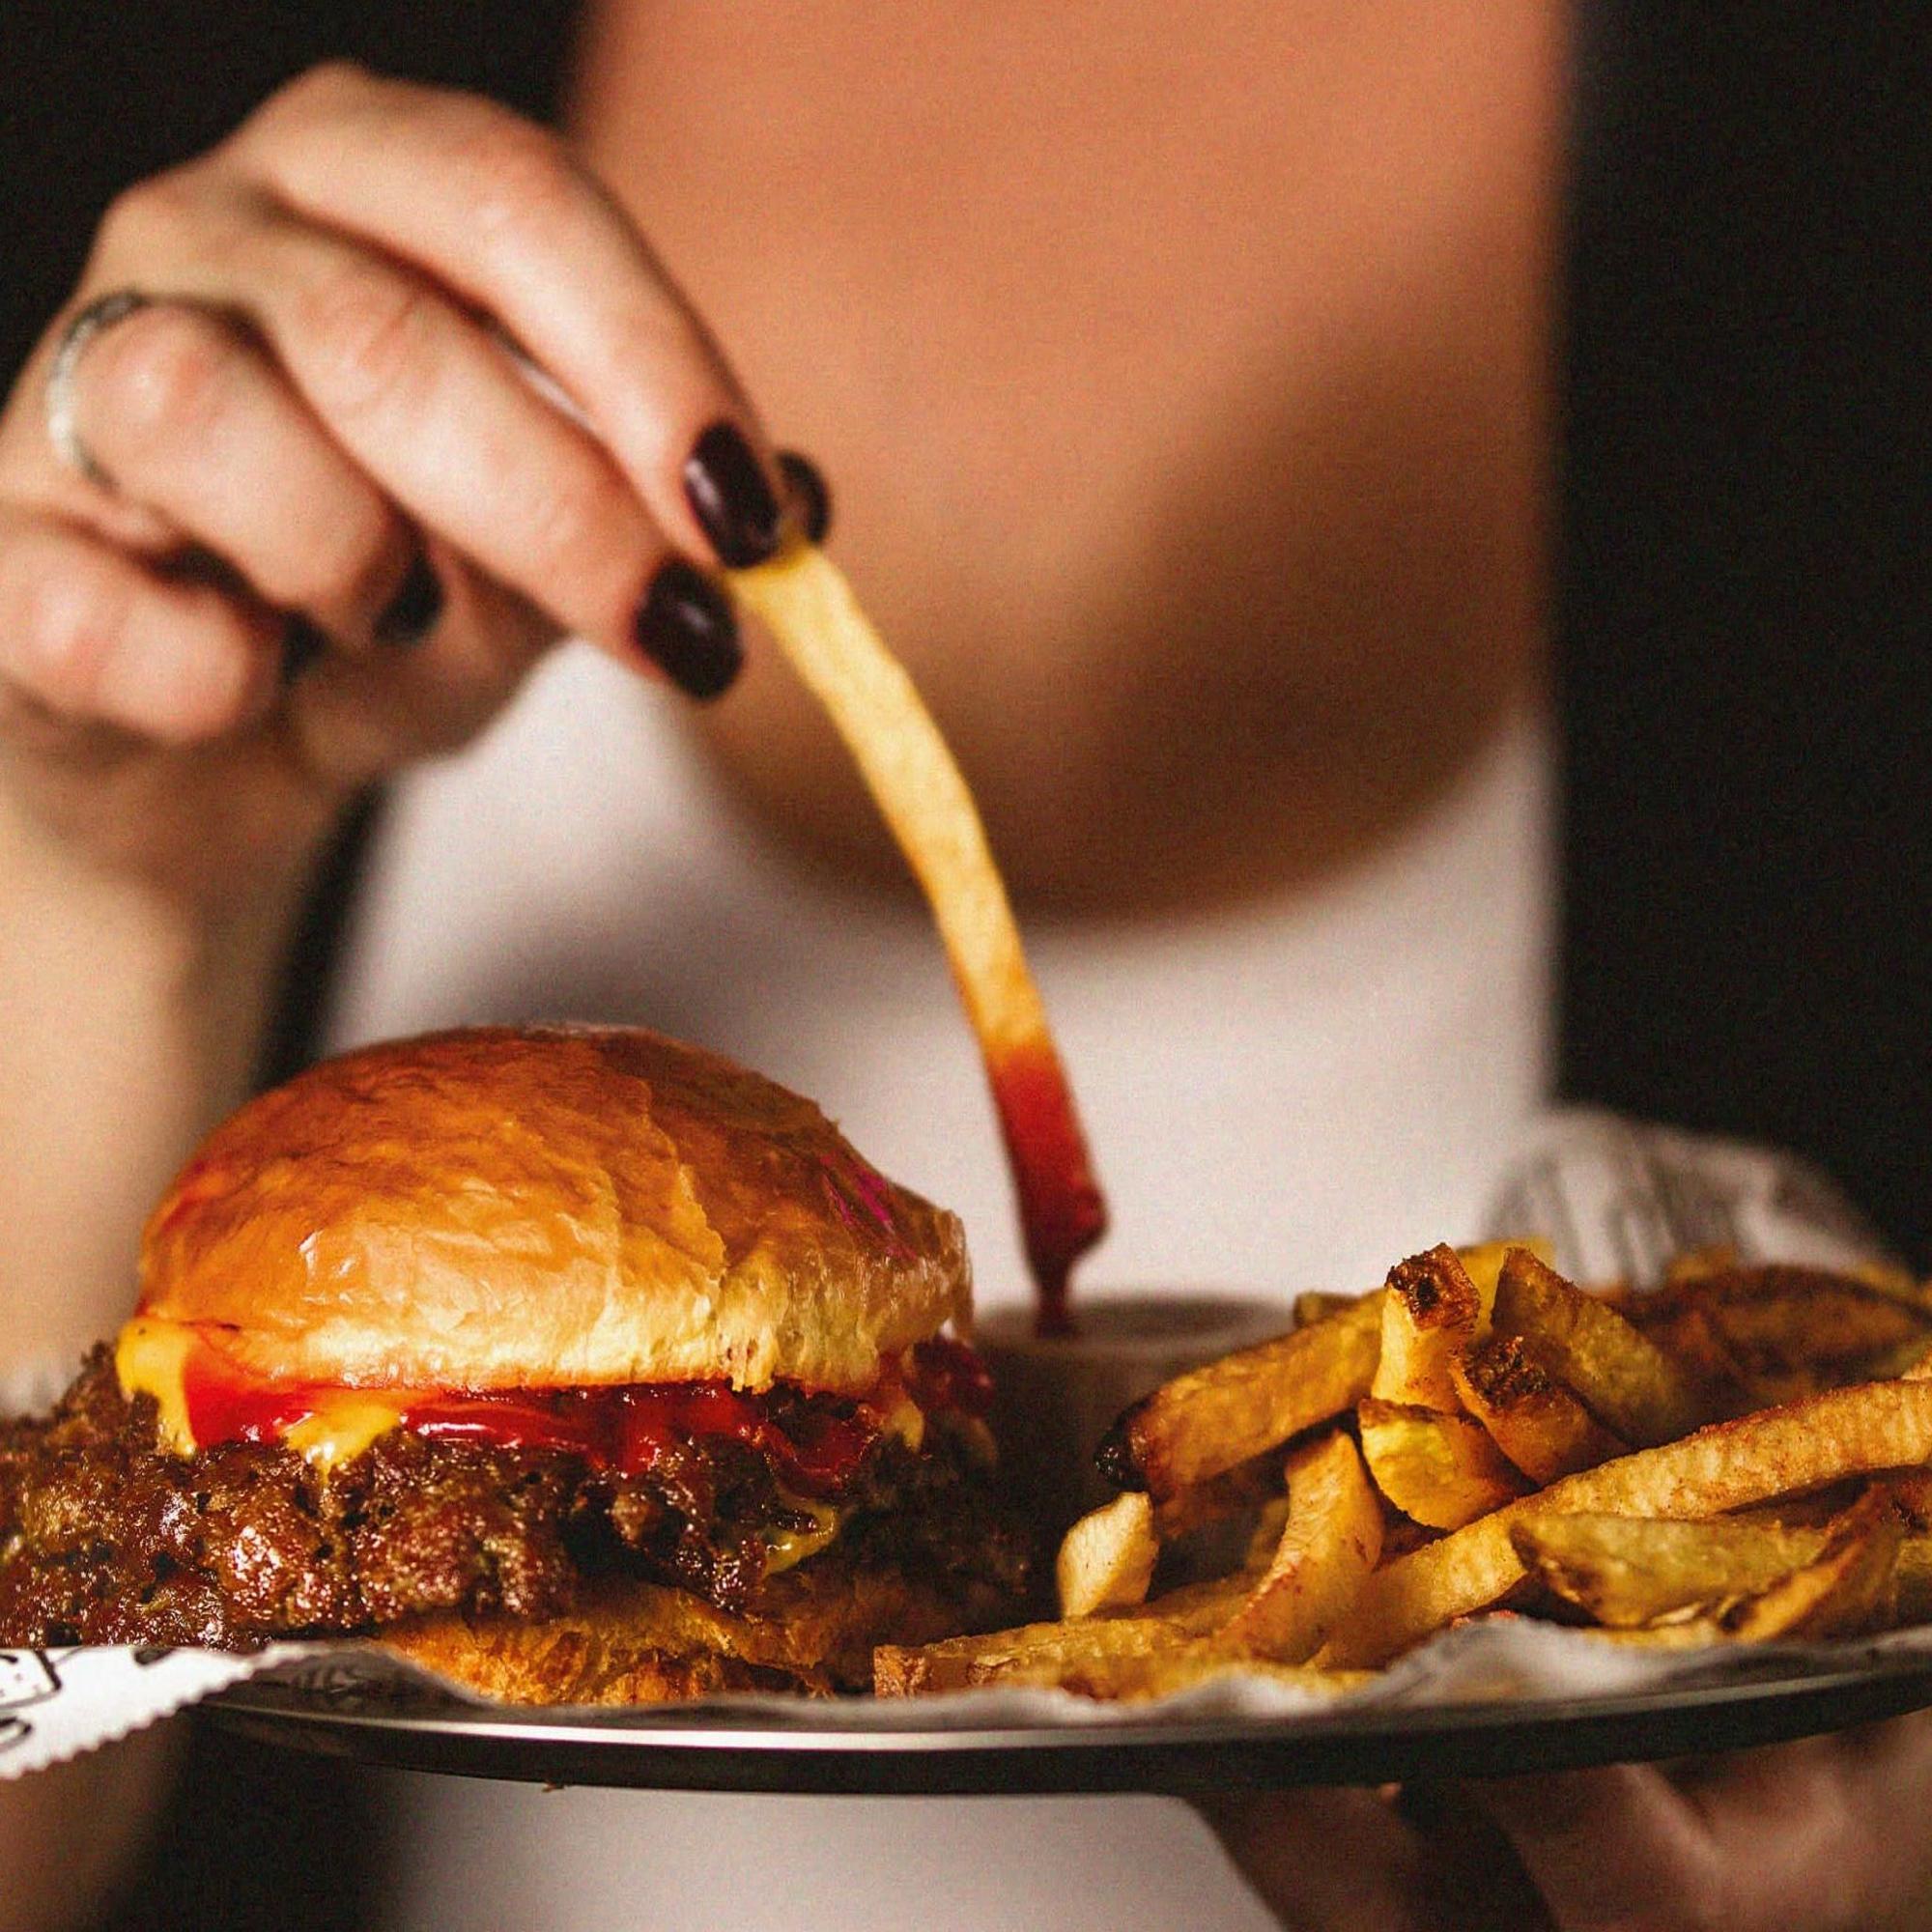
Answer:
[(512, 1208)]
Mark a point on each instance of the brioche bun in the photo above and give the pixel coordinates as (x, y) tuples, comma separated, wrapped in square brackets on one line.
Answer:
[(508, 1208), (812, 1630)]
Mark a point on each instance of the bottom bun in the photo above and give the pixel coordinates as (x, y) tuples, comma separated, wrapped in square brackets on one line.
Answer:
[(812, 1630)]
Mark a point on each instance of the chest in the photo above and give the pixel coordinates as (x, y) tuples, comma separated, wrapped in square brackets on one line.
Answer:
[(1001, 260)]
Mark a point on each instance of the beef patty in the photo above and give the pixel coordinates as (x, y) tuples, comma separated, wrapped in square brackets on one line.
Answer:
[(105, 1537)]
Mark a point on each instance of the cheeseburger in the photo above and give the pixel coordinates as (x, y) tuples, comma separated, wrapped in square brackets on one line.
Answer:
[(578, 1365)]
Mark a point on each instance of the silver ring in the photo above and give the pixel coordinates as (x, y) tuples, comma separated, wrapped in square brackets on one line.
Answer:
[(101, 313)]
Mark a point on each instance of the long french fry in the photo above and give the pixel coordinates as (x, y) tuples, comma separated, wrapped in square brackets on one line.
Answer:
[(806, 602), (1332, 1540), (1539, 1425), (1842, 1590), (1628, 1571), (1626, 1382), (1210, 1420)]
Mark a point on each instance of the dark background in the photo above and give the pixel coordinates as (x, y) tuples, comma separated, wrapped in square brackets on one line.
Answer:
[(1744, 583)]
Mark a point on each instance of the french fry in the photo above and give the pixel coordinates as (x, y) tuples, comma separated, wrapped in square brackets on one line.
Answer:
[(1444, 1471), (1624, 1379), (1779, 1333), (1860, 1431), (1130, 1679), (1208, 1421), (1541, 1426), (1431, 1313), (1106, 1560), (1629, 1570), (1236, 1493), (1331, 1541), (1912, 1578), (1484, 1264), (958, 1664), (804, 600), (1842, 1590)]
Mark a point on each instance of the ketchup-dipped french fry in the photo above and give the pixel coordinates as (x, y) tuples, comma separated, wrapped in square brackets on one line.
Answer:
[(804, 600)]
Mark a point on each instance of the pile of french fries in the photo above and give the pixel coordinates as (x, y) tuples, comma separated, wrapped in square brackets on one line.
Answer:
[(1739, 1456)]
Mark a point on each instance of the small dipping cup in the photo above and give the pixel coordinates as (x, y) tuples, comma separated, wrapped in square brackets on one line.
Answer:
[(1055, 1397)]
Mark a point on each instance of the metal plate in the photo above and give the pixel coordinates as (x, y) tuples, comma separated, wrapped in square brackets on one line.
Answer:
[(717, 1748)]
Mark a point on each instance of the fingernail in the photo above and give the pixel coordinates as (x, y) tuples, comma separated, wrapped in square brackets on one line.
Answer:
[(729, 496), (301, 645), (410, 614), (687, 630), (810, 499)]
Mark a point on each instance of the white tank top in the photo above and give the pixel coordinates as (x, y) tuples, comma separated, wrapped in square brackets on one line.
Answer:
[(1290, 1095)]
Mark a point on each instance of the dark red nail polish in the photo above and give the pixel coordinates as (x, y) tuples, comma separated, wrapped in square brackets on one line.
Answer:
[(810, 498), (731, 497), (411, 613), (687, 630)]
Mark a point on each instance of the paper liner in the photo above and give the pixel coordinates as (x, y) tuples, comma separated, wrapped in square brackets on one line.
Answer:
[(1616, 1198)]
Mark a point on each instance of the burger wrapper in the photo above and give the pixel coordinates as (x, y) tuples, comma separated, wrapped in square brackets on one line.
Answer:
[(1617, 1199)]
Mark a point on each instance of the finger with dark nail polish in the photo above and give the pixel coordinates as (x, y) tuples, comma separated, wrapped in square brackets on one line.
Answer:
[(730, 497), (810, 498), (303, 643), (411, 613), (686, 629)]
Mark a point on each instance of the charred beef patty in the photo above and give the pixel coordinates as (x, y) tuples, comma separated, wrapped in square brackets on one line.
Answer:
[(107, 1538)]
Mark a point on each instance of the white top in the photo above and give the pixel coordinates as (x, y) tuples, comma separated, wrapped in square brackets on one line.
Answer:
[(1342, 1069)]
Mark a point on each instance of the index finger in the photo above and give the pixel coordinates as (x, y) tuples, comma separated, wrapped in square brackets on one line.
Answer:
[(494, 208)]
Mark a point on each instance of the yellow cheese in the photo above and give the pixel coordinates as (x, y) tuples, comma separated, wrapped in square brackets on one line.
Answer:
[(148, 1359), (341, 1426), (787, 1547)]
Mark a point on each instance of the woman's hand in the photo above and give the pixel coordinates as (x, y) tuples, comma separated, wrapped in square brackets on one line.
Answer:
[(1819, 1836), (334, 523)]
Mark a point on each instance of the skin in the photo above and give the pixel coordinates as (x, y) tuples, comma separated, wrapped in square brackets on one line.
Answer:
[(1208, 520)]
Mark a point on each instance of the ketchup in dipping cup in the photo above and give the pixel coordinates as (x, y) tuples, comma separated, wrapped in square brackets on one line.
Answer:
[(1055, 1396)]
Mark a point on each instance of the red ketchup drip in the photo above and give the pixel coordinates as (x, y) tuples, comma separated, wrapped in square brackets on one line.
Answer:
[(1062, 1211), (817, 1449)]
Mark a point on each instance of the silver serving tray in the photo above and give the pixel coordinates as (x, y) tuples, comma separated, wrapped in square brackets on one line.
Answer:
[(719, 1747)]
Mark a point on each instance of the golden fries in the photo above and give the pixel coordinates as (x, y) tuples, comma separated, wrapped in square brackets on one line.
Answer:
[(1208, 1421), (1107, 1558), (1842, 1590), (1413, 1511), (1628, 1571), (1330, 1542), (1431, 1313), (1781, 1451), (1772, 1334), (1441, 1470), (1625, 1381), (1538, 1423)]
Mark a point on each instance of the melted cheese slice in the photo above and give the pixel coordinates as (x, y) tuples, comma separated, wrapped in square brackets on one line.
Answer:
[(341, 1426), (151, 1358)]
